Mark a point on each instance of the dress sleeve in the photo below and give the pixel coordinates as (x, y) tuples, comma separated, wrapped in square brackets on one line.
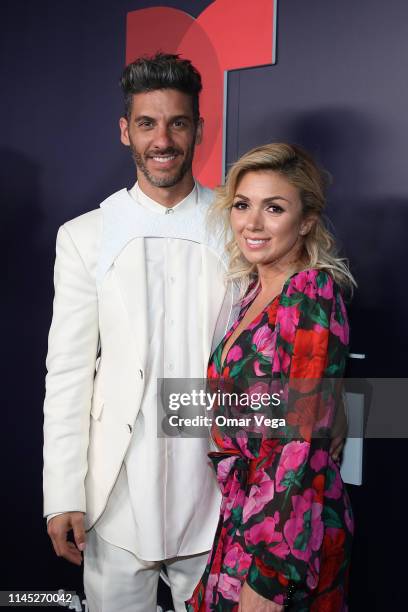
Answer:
[(284, 529)]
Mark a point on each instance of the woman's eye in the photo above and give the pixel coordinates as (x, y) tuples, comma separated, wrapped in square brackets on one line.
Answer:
[(240, 205), (274, 208)]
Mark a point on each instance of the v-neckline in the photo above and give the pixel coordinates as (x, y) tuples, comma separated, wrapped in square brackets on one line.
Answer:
[(236, 324)]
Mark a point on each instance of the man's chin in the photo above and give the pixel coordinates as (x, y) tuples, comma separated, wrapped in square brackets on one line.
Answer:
[(164, 178), (164, 181)]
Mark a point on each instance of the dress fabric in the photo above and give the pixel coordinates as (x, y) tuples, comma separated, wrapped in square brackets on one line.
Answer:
[(285, 524)]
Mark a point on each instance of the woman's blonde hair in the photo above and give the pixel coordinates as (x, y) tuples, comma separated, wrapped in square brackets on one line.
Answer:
[(300, 170)]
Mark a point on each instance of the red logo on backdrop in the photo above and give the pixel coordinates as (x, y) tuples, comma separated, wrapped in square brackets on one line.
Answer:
[(228, 34)]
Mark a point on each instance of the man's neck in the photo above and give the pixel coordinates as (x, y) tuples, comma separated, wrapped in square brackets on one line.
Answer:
[(167, 196)]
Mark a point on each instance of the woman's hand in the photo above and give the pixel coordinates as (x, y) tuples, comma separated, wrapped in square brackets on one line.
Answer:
[(250, 601)]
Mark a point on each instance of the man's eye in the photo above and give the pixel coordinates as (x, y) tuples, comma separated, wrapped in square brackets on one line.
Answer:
[(145, 124), (240, 205), (179, 123)]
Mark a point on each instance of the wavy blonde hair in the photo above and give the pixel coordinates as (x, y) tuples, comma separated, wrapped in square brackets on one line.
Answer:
[(301, 171)]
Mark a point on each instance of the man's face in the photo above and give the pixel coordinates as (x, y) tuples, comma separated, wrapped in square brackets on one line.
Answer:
[(162, 135)]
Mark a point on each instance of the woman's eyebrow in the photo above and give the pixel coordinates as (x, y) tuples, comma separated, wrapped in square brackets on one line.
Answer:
[(238, 195), (273, 198), (265, 200)]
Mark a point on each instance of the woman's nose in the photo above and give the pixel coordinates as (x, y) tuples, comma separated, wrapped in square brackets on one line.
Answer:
[(255, 220)]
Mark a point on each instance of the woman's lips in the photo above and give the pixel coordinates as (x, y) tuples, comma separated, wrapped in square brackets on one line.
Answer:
[(257, 243)]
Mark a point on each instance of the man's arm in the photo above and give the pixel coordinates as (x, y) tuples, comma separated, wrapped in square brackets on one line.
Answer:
[(72, 350)]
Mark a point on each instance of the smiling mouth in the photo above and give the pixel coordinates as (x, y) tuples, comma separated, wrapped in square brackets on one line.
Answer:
[(163, 158), (258, 242)]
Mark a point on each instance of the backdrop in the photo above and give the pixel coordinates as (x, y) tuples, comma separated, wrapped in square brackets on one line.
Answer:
[(339, 88)]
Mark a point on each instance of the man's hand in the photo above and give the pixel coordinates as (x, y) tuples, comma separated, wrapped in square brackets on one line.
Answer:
[(58, 528), (250, 601)]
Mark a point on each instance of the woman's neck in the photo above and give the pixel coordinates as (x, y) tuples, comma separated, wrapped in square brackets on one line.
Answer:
[(272, 279)]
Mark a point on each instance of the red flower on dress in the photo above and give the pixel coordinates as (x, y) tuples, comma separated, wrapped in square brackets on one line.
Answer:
[(309, 355), (332, 556)]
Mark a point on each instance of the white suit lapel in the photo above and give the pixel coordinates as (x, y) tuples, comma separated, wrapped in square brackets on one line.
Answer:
[(125, 224), (130, 273)]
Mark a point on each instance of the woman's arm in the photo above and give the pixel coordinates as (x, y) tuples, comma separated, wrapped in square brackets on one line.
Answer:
[(285, 534)]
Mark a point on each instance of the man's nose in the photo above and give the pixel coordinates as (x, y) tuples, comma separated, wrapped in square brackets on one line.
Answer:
[(162, 137)]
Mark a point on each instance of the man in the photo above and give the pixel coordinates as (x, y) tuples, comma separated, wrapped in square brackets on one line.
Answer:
[(138, 292)]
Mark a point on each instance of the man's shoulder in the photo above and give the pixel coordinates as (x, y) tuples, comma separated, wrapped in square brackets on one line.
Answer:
[(84, 223), (90, 223), (205, 195)]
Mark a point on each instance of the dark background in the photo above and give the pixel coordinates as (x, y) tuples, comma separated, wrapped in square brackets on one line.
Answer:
[(339, 88)]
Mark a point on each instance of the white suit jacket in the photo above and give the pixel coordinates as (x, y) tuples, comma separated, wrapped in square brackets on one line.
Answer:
[(100, 304)]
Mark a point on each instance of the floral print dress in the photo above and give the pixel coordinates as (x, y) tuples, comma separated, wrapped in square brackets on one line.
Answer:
[(285, 522)]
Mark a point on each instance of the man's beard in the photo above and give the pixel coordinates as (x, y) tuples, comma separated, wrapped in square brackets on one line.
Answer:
[(164, 181)]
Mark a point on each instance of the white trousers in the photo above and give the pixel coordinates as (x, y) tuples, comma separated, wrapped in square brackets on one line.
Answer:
[(115, 580)]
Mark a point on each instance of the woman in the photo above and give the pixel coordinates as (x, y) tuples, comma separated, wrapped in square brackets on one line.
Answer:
[(285, 529)]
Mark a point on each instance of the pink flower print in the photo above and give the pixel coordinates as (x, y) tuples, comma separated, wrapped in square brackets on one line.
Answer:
[(242, 443), (261, 492), (304, 530), (266, 532), (237, 559), (277, 546), (281, 361), (312, 577), (261, 532), (257, 368), (234, 354), (326, 291), (319, 460), (340, 330), (236, 500), (224, 468), (297, 283), (333, 482), (229, 587), (293, 456), (227, 443), (288, 322), (262, 339), (211, 583)]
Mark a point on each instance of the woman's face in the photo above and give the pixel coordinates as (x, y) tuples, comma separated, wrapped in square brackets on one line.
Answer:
[(267, 219)]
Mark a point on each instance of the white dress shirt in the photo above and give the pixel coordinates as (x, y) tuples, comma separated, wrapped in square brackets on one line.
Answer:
[(166, 484)]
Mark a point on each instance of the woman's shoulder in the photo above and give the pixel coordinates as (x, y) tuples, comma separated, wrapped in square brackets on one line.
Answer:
[(312, 282)]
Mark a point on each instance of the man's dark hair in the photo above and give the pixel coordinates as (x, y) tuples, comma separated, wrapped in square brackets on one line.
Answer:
[(161, 71)]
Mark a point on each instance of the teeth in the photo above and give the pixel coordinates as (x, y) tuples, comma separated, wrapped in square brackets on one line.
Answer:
[(255, 241), (164, 159)]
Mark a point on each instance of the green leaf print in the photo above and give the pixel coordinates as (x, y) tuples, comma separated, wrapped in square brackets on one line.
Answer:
[(253, 573), (331, 518), (315, 312), (302, 540)]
